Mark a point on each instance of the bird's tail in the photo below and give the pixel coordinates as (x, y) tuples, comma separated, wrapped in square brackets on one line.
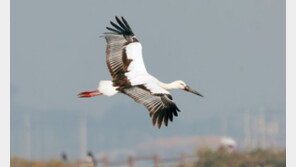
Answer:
[(106, 87)]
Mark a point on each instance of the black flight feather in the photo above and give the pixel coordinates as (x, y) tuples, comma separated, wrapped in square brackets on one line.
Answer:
[(125, 22), (116, 26), (160, 118), (111, 29), (121, 24), (122, 28)]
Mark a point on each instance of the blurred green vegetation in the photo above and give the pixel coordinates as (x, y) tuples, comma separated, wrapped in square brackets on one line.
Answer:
[(19, 162), (256, 158)]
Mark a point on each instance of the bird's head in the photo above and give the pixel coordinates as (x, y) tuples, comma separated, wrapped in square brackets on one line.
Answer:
[(182, 85)]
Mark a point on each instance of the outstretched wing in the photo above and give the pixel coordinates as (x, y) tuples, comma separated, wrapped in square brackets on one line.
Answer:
[(161, 106), (123, 53)]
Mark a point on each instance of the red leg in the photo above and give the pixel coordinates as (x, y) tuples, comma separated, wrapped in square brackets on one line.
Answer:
[(88, 94)]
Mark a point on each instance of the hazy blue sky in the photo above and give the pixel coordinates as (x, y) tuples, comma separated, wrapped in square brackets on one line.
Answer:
[(232, 51)]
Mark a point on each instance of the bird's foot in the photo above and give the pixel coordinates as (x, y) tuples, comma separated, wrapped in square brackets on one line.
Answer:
[(88, 94)]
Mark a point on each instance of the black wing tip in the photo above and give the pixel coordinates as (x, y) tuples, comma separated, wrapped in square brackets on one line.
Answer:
[(164, 116), (113, 30), (121, 28)]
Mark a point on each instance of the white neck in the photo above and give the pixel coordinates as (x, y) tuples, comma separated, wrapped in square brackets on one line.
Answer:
[(169, 86)]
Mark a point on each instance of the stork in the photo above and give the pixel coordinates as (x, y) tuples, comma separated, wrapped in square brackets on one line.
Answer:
[(130, 77)]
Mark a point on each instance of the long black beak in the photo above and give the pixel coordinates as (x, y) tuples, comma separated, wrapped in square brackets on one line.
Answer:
[(188, 89)]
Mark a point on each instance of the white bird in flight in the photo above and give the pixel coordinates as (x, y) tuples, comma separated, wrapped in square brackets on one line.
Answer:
[(125, 63)]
